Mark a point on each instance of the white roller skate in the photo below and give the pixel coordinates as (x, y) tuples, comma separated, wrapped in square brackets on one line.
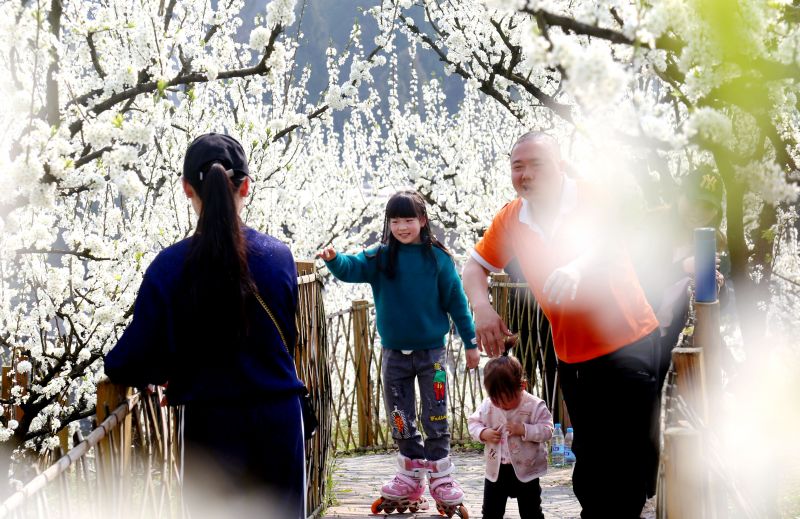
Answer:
[(404, 491), (445, 491)]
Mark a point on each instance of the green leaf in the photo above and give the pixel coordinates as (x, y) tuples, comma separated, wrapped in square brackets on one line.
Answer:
[(117, 121)]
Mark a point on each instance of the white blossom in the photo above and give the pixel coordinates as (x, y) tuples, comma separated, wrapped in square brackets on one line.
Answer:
[(259, 38), (711, 124), (280, 12)]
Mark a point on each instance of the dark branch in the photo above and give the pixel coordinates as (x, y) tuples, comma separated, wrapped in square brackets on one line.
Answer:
[(194, 77), (80, 254), (93, 53), (168, 13)]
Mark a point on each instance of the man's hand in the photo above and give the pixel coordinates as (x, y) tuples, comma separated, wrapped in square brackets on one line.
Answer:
[(562, 284), (491, 435), (473, 358), (491, 331), (328, 253)]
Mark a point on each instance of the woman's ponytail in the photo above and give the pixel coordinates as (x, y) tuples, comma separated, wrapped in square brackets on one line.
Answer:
[(216, 269)]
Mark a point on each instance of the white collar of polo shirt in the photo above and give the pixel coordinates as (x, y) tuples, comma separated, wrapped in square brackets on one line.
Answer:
[(567, 203)]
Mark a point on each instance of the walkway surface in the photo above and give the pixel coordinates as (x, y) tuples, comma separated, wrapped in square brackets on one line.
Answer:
[(358, 479)]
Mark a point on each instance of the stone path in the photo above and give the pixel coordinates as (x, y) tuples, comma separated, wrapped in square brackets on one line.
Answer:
[(357, 482)]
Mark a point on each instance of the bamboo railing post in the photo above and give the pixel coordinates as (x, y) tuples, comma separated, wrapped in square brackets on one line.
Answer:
[(706, 332), (360, 309), (311, 362), (306, 267), (499, 291), (109, 397), (690, 378), (5, 390), (685, 482), (21, 380), (707, 336)]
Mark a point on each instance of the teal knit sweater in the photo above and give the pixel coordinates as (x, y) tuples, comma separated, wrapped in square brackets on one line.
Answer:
[(412, 309)]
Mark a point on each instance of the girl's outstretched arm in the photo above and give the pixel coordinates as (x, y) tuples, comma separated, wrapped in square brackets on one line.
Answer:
[(357, 268)]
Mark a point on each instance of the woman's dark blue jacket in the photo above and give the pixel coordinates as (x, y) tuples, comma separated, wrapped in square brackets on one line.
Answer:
[(201, 364)]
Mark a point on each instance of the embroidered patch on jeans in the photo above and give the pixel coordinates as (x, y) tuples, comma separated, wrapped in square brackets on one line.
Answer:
[(399, 424), (439, 382)]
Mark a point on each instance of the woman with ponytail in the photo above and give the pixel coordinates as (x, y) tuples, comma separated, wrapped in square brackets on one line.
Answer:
[(199, 325)]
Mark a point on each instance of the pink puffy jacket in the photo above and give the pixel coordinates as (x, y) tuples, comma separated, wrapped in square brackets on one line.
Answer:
[(528, 452)]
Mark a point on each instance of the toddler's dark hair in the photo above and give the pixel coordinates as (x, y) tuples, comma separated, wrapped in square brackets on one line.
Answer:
[(502, 377)]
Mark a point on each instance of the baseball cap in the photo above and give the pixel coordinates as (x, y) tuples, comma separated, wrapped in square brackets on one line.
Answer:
[(213, 147), (703, 183)]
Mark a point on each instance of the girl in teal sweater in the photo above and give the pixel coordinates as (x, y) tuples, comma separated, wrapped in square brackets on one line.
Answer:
[(417, 290)]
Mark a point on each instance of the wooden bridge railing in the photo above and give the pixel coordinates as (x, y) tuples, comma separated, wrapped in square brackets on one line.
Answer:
[(128, 459), (128, 466), (695, 481)]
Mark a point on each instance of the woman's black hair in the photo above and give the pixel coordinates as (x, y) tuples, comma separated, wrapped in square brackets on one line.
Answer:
[(216, 275), (404, 204)]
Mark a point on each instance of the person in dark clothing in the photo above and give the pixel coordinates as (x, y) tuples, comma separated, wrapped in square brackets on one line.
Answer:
[(663, 254), (198, 325)]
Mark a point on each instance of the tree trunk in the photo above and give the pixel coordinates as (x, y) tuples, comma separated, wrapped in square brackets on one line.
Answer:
[(752, 319), (53, 107)]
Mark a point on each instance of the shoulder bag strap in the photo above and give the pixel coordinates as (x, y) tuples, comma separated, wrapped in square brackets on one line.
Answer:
[(274, 321)]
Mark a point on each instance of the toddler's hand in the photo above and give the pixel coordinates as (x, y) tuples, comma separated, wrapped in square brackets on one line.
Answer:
[(515, 429), (491, 435), (328, 253)]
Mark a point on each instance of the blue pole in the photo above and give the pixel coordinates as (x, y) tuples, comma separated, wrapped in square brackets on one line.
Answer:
[(705, 249)]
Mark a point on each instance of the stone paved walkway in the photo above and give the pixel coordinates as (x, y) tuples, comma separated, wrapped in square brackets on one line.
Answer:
[(358, 479)]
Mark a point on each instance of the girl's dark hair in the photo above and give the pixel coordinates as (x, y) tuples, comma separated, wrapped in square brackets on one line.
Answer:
[(217, 278), (404, 204), (503, 377)]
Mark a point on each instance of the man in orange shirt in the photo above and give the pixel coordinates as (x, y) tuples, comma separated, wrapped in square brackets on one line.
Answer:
[(604, 331)]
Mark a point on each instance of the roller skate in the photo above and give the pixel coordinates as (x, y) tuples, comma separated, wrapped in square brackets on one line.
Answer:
[(404, 491), (445, 491)]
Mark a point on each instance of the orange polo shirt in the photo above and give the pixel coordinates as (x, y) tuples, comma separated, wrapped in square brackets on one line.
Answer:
[(609, 310)]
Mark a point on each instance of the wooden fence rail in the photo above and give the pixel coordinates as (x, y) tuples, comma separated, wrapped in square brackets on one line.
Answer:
[(126, 459), (128, 466)]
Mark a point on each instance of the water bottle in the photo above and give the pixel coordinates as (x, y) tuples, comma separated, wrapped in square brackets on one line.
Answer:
[(569, 456), (557, 447)]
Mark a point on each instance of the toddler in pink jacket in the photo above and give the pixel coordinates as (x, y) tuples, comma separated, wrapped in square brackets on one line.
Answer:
[(513, 424)]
